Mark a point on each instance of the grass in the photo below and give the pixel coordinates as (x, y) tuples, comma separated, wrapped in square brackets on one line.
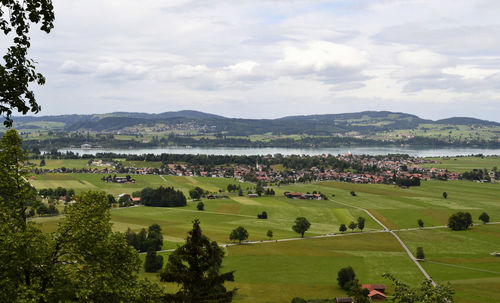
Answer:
[(462, 164), (471, 269), (280, 271)]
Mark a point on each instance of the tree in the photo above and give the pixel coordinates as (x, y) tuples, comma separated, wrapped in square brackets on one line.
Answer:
[(484, 217), (200, 206), (352, 226), (342, 228), (460, 221), (361, 223), (359, 294), (298, 300), (239, 233), (420, 253), (420, 223), (240, 192), (353, 193), (195, 267), (269, 234), (345, 276), (153, 262), (154, 239), (426, 293), (194, 194), (18, 72), (42, 162), (301, 226), (445, 195)]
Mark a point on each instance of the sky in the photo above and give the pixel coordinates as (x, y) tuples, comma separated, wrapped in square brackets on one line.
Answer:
[(271, 58)]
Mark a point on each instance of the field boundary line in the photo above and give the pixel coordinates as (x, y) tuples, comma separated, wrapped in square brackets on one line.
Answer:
[(464, 267)]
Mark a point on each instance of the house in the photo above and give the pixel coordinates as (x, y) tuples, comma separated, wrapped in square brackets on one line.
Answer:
[(136, 200), (86, 146), (344, 300), (375, 295), (377, 287), (377, 291), (253, 195)]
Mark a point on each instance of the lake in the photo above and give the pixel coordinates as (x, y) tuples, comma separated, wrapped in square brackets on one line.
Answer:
[(415, 152)]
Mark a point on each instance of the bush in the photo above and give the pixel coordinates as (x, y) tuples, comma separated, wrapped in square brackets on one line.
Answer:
[(345, 276), (420, 253), (484, 217), (353, 193), (200, 206), (153, 262), (460, 221)]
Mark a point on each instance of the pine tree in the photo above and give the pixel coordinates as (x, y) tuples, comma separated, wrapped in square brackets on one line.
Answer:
[(195, 267)]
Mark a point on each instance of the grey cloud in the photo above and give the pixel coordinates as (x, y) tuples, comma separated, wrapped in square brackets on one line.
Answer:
[(457, 40)]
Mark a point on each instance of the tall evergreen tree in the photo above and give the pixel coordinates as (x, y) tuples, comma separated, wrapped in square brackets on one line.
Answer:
[(195, 267)]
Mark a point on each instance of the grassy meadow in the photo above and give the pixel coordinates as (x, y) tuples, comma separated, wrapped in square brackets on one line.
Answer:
[(279, 271)]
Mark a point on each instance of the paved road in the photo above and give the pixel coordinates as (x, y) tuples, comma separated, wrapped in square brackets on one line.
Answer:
[(399, 240)]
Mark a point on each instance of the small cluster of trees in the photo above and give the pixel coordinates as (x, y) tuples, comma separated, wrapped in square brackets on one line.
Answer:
[(44, 210), (360, 223), (163, 197), (56, 193), (262, 215), (196, 193), (233, 187), (407, 182), (145, 240)]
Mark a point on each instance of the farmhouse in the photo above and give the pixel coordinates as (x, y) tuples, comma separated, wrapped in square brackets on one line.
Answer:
[(377, 291)]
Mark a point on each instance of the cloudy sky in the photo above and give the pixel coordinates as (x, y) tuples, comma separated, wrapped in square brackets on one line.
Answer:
[(272, 58)]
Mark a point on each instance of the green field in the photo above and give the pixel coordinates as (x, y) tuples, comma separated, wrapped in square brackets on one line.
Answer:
[(462, 164), (279, 271)]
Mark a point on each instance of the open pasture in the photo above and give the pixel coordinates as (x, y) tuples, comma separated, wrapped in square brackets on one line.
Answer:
[(462, 164), (401, 208), (463, 258), (307, 268)]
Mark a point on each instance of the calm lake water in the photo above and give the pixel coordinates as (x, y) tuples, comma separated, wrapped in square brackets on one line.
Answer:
[(415, 152)]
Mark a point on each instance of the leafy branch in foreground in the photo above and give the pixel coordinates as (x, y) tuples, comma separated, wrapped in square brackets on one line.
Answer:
[(427, 293), (18, 71)]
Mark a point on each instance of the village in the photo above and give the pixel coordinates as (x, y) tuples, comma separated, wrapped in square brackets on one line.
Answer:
[(362, 169)]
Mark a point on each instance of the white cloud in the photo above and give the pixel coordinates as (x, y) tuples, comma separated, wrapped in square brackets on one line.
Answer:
[(319, 56), (227, 56)]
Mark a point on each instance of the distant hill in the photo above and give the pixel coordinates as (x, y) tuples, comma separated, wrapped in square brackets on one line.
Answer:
[(365, 123)]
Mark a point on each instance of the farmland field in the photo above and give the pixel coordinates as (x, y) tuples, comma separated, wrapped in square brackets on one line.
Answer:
[(279, 271)]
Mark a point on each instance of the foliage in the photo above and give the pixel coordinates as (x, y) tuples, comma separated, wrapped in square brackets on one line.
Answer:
[(145, 240), (195, 267), (263, 215), (163, 196), (18, 71), (342, 228), (420, 253), (269, 234), (153, 262), (460, 221), (484, 217), (345, 276), (445, 195), (239, 233), (420, 223), (301, 226), (200, 206), (360, 295), (84, 260), (352, 226), (353, 193), (427, 293), (194, 194), (298, 300), (361, 223)]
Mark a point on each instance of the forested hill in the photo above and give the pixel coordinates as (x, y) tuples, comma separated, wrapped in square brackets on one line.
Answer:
[(361, 123)]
